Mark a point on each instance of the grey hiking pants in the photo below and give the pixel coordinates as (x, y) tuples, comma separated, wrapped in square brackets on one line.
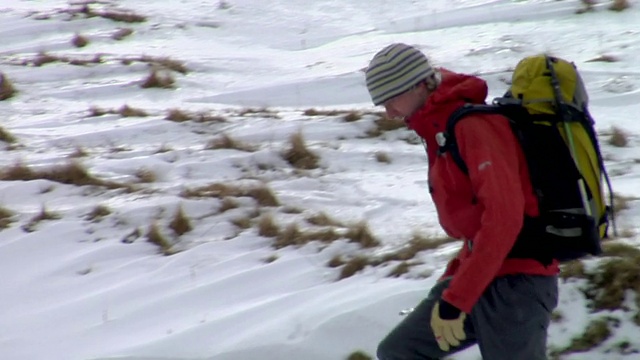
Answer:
[(509, 322)]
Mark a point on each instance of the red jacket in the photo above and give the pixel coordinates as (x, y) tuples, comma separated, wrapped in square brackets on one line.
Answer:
[(485, 207)]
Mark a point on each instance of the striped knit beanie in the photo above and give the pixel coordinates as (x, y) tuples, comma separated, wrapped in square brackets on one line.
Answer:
[(396, 69)]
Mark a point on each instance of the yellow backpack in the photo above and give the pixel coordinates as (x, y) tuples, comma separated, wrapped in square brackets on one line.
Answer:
[(547, 108)]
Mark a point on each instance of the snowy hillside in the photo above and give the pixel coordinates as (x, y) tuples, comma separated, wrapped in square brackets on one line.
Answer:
[(198, 179)]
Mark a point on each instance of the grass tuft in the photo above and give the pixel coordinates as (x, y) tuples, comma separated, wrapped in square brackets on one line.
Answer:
[(7, 90), (619, 138), (359, 355), (145, 175), (155, 236), (180, 224), (43, 215), (6, 136), (6, 217), (121, 33), (597, 332), (177, 115), (98, 213), (267, 226), (224, 141), (157, 80), (322, 219), (127, 111), (619, 5), (360, 233), (79, 41), (298, 155), (353, 266), (382, 157), (261, 193), (72, 173), (604, 58)]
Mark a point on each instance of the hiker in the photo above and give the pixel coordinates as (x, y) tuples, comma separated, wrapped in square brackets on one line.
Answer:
[(484, 297)]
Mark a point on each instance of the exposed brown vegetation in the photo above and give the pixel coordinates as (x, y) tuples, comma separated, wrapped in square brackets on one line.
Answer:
[(43, 215), (315, 112), (71, 173), (145, 175), (224, 141), (164, 62), (127, 111), (156, 79), (261, 112), (6, 217), (98, 213), (79, 41), (353, 266), (7, 90), (384, 124), (180, 224), (261, 193), (604, 58), (619, 138), (573, 269), (227, 203), (293, 236), (359, 355), (119, 15), (382, 157), (267, 226), (78, 152), (155, 236), (7, 136), (298, 155), (619, 5), (178, 115), (360, 233), (322, 219), (242, 222), (44, 58), (121, 33), (595, 334)]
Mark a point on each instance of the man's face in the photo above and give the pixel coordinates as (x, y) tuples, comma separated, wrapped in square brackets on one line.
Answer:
[(407, 103)]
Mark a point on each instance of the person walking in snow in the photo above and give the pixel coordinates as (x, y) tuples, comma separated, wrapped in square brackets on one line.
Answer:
[(484, 297)]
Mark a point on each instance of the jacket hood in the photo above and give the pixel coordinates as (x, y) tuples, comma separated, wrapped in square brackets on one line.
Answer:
[(454, 91)]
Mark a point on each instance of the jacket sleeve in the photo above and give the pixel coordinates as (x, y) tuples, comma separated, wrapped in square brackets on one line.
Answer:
[(490, 150)]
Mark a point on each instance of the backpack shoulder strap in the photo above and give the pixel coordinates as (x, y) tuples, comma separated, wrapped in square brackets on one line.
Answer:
[(450, 143)]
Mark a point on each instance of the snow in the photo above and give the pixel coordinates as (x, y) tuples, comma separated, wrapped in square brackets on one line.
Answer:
[(80, 289)]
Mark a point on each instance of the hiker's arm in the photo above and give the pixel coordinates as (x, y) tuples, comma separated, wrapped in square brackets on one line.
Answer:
[(488, 148)]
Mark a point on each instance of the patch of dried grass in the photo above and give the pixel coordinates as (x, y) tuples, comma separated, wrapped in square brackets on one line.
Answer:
[(72, 173), (619, 137), (98, 213), (7, 90), (121, 33), (604, 58), (157, 79), (6, 136), (177, 115), (225, 141), (267, 226), (43, 215), (6, 217), (361, 234), (79, 41), (261, 193), (127, 111), (299, 155), (180, 224), (155, 236)]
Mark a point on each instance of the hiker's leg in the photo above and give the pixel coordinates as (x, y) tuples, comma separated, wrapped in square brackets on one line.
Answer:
[(512, 316), (413, 338)]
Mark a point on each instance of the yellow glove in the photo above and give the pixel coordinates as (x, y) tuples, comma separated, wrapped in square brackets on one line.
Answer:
[(447, 325)]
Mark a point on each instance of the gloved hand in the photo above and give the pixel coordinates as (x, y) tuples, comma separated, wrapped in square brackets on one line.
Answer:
[(447, 323)]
